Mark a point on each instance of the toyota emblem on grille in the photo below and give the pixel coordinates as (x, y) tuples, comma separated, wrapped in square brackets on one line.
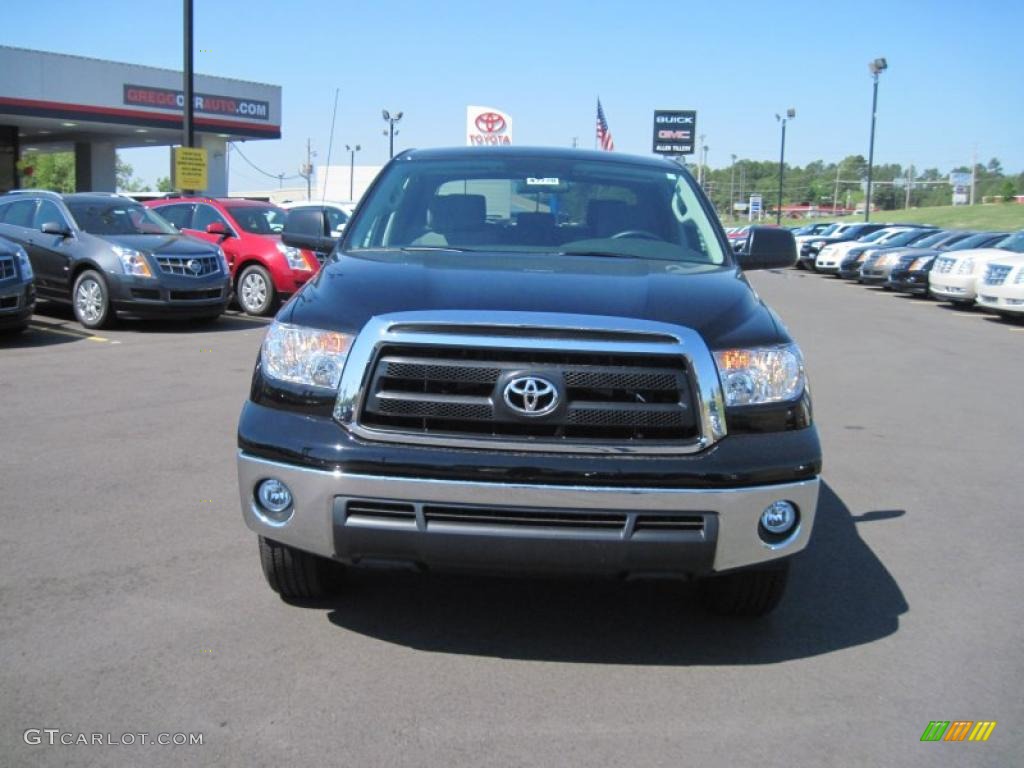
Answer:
[(531, 396), (195, 266), (490, 122)]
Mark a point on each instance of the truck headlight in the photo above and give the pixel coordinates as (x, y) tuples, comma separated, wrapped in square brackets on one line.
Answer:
[(294, 256), (25, 265), (133, 262), (965, 267), (306, 356), (761, 375)]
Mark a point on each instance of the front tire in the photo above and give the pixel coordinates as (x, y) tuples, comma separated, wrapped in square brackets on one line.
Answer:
[(255, 291), (751, 592), (298, 575), (91, 301)]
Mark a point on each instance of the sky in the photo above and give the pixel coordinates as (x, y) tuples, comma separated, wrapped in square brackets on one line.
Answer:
[(955, 83)]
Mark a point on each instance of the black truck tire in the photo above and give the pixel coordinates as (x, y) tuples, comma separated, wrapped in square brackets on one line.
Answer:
[(751, 592), (298, 575)]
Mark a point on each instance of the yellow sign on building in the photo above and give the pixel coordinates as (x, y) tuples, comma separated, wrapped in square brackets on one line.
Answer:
[(188, 168)]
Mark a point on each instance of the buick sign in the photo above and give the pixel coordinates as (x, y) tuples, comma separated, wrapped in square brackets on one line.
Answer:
[(674, 131)]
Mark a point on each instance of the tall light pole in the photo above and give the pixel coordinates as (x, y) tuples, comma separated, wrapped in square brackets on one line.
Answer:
[(877, 67), (790, 114), (188, 79), (390, 130), (352, 169)]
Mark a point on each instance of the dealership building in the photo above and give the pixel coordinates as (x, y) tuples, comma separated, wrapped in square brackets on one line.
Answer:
[(51, 102)]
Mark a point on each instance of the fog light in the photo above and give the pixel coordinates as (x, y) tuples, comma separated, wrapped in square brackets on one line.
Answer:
[(778, 522), (275, 501)]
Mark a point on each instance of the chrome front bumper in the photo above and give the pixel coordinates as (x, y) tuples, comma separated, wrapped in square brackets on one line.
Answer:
[(319, 525)]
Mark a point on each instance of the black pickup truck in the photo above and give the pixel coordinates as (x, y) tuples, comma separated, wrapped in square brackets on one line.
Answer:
[(530, 360)]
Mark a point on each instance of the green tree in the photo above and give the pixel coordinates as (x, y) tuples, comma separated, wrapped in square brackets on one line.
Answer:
[(126, 182), (1008, 191), (48, 170), (163, 184)]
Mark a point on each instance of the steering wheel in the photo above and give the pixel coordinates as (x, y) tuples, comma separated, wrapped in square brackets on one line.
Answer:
[(642, 233)]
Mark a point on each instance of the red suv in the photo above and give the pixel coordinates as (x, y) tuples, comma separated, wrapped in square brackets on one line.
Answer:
[(264, 271)]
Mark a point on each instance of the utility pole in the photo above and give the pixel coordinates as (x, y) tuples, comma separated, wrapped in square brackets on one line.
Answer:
[(835, 193), (974, 171), (306, 169), (910, 182), (575, 142), (732, 186), (700, 163)]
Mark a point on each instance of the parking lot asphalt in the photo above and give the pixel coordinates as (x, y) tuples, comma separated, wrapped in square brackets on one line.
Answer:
[(132, 598)]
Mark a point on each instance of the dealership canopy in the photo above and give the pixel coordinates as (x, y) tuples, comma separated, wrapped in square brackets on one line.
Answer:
[(53, 102)]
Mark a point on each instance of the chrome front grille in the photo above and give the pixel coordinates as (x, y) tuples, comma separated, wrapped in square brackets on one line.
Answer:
[(6, 267), (460, 392), (625, 386), (188, 266), (944, 265), (996, 274)]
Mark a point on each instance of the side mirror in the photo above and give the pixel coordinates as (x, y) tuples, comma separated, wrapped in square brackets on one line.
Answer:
[(321, 245), (53, 228), (768, 248), (218, 228), (307, 228)]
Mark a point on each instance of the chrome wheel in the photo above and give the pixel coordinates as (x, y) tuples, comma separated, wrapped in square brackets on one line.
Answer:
[(90, 301), (254, 292)]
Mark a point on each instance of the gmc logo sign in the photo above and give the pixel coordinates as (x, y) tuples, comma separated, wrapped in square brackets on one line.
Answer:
[(665, 135)]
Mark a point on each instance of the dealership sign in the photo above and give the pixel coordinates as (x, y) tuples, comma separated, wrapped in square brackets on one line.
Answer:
[(167, 98), (486, 126), (674, 131)]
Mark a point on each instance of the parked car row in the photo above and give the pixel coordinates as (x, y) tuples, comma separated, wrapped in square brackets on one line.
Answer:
[(958, 266), (108, 255)]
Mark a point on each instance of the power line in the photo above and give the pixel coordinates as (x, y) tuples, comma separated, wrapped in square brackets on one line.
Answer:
[(278, 176)]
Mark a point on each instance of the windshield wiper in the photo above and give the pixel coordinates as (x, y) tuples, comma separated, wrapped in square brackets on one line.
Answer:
[(448, 248), (587, 252), (413, 249)]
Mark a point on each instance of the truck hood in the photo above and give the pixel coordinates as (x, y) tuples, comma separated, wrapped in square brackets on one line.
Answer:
[(165, 245), (718, 302)]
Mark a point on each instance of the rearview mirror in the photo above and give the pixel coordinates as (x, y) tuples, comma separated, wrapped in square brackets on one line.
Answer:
[(54, 228), (768, 248)]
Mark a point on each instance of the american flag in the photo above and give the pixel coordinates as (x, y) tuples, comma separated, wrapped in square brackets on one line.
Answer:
[(604, 136)]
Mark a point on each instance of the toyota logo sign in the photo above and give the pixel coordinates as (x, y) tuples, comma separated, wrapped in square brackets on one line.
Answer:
[(531, 396), (490, 122)]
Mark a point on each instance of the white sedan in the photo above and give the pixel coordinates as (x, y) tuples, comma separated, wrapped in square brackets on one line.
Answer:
[(830, 258), (955, 276), (1001, 289)]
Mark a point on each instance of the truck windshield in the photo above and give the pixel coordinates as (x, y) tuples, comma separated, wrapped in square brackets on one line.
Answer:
[(525, 204)]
